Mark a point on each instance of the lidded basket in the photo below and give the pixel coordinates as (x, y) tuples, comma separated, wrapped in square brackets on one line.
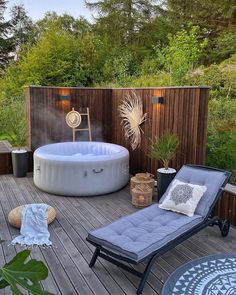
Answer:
[(142, 178)]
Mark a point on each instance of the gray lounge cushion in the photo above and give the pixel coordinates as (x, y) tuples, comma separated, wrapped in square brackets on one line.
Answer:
[(213, 180), (139, 234)]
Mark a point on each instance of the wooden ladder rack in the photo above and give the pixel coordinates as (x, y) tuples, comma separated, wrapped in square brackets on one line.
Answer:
[(84, 129)]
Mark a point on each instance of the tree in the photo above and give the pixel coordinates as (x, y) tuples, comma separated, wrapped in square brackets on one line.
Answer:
[(182, 54), (53, 60), (118, 67), (21, 28), (77, 27), (221, 139), (5, 42), (213, 17), (209, 14), (122, 20), (58, 58)]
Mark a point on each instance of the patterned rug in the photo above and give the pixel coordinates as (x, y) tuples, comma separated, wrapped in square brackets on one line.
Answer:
[(209, 275)]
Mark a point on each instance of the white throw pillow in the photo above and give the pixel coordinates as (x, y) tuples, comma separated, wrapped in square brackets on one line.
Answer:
[(183, 197)]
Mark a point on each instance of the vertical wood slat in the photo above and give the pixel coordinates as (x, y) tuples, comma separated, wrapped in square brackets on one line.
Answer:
[(5, 157), (226, 206), (28, 116), (184, 112)]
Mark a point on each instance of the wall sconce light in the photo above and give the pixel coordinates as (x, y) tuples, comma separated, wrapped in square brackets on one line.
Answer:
[(64, 97), (157, 99)]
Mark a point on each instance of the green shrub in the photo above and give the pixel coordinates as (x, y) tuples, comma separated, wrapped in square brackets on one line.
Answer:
[(221, 151), (221, 140), (13, 122)]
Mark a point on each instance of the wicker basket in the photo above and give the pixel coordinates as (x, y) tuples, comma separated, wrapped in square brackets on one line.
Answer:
[(142, 178), (141, 195), (14, 217)]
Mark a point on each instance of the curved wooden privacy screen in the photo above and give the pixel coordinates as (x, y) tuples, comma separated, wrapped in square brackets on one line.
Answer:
[(183, 110)]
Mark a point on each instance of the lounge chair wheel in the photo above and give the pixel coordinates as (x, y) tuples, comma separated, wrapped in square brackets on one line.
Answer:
[(224, 227)]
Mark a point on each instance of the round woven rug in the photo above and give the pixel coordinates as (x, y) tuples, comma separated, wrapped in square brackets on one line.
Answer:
[(209, 275)]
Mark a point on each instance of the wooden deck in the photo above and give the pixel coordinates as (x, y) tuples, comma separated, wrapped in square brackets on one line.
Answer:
[(68, 259)]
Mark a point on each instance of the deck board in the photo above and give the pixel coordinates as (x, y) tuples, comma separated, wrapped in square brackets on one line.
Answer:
[(68, 260)]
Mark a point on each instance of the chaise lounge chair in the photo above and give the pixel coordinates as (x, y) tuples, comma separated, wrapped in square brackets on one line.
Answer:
[(150, 232)]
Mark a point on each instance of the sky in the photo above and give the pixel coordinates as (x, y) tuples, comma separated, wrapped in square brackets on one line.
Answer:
[(37, 8)]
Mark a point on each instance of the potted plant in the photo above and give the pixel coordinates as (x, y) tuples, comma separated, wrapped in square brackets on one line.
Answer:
[(164, 149)]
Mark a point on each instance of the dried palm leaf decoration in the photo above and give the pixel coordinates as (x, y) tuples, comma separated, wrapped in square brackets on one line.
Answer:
[(131, 112)]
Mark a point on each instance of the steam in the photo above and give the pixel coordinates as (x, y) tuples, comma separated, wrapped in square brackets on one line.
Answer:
[(49, 126)]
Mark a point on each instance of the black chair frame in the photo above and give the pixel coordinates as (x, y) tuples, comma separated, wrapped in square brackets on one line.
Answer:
[(116, 259)]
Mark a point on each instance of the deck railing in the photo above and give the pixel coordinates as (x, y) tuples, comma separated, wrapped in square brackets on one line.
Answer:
[(226, 206)]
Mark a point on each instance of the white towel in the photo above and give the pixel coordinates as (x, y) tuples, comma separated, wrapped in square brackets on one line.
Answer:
[(34, 226)]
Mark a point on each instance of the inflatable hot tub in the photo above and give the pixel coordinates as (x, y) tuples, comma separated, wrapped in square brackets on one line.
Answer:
[(81, 168)]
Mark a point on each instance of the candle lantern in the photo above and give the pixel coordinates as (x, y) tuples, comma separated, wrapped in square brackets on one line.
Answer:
[(142, 178), (141, 195)]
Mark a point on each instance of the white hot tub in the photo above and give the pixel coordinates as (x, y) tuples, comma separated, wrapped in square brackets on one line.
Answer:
[(81, 168)]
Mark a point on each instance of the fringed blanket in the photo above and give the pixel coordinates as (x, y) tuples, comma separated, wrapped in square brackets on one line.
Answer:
[(34, 226)]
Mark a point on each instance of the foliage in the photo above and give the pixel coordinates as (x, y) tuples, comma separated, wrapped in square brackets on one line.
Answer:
[(129, 44), (13, 122), (221, 140), (214, 18), (54, 60), (221, 143), (223, 47), (58, 58), (67, 23), (221, 146), (117, 67), (212, 15), (14, 33), (182, 54), (28, 275), (160, 79), (123, 20), (21, 28), (5, 41), (221, 78), (164, 148), (222, 114)]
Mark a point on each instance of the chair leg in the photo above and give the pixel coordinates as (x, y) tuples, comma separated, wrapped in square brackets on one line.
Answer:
[(145, 274), (94, 258), (224, 226)]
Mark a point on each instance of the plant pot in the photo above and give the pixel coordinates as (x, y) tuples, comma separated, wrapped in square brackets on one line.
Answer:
[(164, 178), (19, 162)]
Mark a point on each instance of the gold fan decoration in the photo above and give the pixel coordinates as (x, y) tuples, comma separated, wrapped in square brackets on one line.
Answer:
[(131, 112)]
